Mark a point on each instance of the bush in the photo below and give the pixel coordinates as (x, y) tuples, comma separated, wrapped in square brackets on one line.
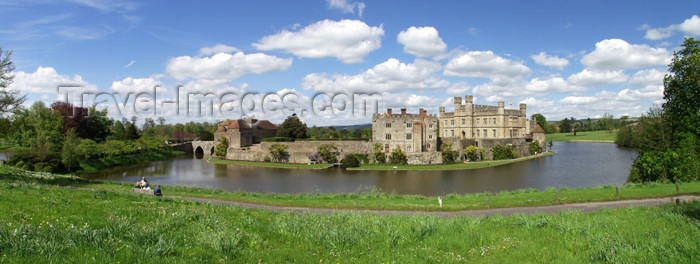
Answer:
[(501, 152), (267, 159), (364, 158), (206, 136), (625, 137), (350, 161), (328, 152), (398, 156), (535, 147), (470, 153), (279, 152), (448, 155), (221, 148), (378, 152)]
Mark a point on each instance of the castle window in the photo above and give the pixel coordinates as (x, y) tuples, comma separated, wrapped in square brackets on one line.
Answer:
[(494, 121), (452, 122), (477, 121), (430, 136), (463, 121), (388, 124), (409, 125), (452, 132), (478, 133), (428, 146), (445, 122), (445, 131), (408, 149), (486, 134), (409, 136), (494, 133), (430, 125), (388, 136)]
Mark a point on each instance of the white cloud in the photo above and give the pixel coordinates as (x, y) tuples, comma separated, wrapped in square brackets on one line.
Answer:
[(617, 54), (550, 61), (347, 40), (422, 42), (459, 89), (500, 88), (658, 33), (594, 77), (131, 63), (346, 7), (135, 85), (484, 64), (577, 100), (691, 25), (551, 84), (45, 80), (218, 48), (537, 103), (391, 75), (648, 77), (225, 65)]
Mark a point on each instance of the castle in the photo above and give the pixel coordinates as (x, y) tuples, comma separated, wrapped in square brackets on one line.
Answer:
[(420, 135)]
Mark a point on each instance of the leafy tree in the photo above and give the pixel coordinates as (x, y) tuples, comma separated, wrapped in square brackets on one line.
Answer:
[(292, 127), (206, 136), (625, 137), (448, 155), (87, 148), (131, 133), (549, 145), (378, 152), (278, 152), (565, 126), (221, 148), (470, 152), (398, 156), (540, 119), (98, 124), (119, 130), (682, 90), (350, 161), (535, 147), (45, 130), (69, 152), (9, 99), (328, 152)]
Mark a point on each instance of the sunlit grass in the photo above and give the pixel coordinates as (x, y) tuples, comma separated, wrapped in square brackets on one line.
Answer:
[(42, 224)]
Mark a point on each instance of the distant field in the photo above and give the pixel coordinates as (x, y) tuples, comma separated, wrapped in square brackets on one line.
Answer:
[(593, 136)]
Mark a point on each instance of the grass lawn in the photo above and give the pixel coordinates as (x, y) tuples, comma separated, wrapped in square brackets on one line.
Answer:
[(270, 164), (455, 166), (42, 223), (593, 136), (380, 200)]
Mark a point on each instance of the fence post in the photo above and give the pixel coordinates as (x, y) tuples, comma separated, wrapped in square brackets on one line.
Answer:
[(677, 187), (488, 202), (618, 192)]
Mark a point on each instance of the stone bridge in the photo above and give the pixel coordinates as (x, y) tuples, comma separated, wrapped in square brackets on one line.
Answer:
[(200, 149), (204, 149)]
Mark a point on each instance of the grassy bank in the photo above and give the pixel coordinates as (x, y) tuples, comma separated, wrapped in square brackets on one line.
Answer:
[(270, 164), (455, 166), (43, 223), (95, 164), (588, 136), (375, 199), (12, 147)]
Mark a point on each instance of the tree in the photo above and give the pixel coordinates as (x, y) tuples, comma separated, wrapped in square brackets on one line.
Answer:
[(504, 152), (565, 126), (119, 130), (221, 148), (350, 161), (69, 151), (448, 155), (535, 147), (682, 90), (9, 99), (328, 152), (278, 152), (470, 152), (378, 152), (98, 124), (398, 156), (292, 127), (206, 136), (540, 119), (131, 133)]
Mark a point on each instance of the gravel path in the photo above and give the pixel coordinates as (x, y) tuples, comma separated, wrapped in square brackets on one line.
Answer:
[(585, 207)]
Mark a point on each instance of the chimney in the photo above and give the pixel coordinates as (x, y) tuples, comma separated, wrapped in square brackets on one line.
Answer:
[(388, 111), (403, 111), (523, 109), (421, 111)]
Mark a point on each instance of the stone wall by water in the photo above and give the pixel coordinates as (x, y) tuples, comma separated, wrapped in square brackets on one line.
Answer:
[(521, 146), (298, 150)]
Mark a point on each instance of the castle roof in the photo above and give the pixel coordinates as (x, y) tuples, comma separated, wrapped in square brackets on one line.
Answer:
[(232, 124), (264, 124), (538, 129)]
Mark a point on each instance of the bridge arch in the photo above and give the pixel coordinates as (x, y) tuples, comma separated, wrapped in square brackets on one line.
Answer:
[(199, 153)]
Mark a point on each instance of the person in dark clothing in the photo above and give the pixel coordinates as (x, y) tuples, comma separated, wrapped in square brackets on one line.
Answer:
[(156, 191)]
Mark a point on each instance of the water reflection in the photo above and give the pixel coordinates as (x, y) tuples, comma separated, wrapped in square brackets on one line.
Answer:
[(575, 165)]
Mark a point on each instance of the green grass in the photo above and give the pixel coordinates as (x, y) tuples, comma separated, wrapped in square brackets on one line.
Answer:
[(378, 200), (593, 136), (270, 164), (12, 147), (455, 166), (42, 223)]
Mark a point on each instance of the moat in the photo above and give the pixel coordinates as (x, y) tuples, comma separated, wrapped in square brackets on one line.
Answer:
[(576, 164)]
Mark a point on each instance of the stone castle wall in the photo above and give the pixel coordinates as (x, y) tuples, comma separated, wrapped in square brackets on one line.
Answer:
[(298, 150)]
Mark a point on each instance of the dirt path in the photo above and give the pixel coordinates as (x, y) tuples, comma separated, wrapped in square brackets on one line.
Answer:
[(585, 207)]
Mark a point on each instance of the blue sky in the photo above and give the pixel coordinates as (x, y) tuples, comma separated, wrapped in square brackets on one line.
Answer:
[(562, 58)]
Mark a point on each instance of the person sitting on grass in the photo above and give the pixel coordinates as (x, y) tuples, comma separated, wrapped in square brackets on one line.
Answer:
[(144, 183), (156, 191)]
